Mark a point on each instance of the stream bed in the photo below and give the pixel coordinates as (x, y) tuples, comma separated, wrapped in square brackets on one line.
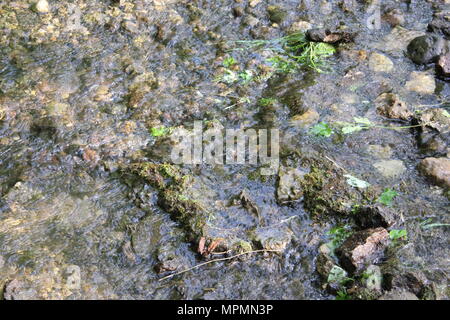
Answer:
[(93, 207)]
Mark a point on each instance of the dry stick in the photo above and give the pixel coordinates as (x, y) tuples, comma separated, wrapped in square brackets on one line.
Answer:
[(215, 260)]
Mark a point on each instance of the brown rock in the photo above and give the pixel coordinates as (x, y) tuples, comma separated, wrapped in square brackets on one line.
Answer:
[(363, 248), (437, 169), (443, 65), (394, 17), (389, 105)]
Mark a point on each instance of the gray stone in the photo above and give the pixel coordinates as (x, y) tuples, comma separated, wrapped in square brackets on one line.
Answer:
[(289, 184), (390, 168)]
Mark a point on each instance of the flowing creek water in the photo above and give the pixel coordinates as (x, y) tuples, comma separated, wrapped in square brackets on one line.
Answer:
[(91, 207)]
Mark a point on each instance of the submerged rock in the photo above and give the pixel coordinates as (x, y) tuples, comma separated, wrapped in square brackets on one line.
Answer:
[(396, 42), (440, 23), (19, 290), (289, 184), (390, 106), (380, 63), (394, 17), (326, 191), (309, 117), (390, 168), (375, 216), (276, 14), (421, 82), (363, 248), (434, 137), (426, 49), (437, 169), (327, 36), (398, 294), (379, 151)]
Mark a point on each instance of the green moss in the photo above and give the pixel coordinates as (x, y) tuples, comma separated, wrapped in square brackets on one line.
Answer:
[(242, 246), (172, 185), (326, 192)]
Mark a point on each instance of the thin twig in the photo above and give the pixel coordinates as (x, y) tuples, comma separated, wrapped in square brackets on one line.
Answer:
[(215, 260), (334, 162)]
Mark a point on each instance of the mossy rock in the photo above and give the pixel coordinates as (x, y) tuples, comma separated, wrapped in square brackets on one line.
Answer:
[(326, 191)]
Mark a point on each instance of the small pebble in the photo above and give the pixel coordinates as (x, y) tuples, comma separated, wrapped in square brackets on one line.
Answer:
[(42, 6)]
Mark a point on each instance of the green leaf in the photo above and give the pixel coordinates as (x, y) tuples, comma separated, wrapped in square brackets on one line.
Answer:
[(228, 62), (395, 234), (445, 113), (159, 131), (364, 121), (351, 128), (387, 196), (321, 129), (246, 76), (355, 182)]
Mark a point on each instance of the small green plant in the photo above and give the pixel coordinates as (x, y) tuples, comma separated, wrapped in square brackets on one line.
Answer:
[(228, 62), (160, 131), (282, 65), (395, 234), (292, 51), (265, 102), (355, 182), (246, 76), (321, 129), (343, 295), (387, 197), (338, 235)]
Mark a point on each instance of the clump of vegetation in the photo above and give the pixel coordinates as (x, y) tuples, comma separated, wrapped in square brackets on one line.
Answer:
[(265, 102), (338, 235), (343, 295), (292, 51), (228, 62), (160, 131), (321, 129), (387, 197), (395, 234)]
